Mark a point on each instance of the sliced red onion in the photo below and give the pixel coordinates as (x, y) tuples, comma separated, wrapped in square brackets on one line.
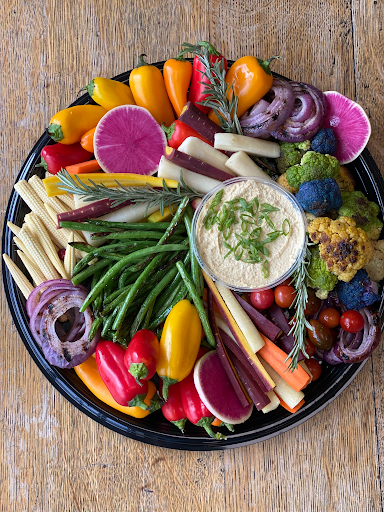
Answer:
[(330, 356), (60, 297), (33, 299), (355, 353), (261, 119), (66, 354), (306, 117)]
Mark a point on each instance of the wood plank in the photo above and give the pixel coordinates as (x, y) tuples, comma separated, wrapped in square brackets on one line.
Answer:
[(368, 39)]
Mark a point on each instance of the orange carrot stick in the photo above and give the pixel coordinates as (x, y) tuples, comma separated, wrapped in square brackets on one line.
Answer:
[(276, 357), (84, 167), (295, 409), (216, 422)]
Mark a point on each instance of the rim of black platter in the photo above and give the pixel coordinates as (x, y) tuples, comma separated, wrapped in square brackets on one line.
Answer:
[(154, 429)]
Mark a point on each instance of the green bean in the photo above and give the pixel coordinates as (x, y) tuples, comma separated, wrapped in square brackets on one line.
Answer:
[(195, 268), (83, 226), (179, 294), (126, 226), (107, 322), (150, 298), (153, 263), (148, 315), (79, 278), (198, 303), (118, 266), (128, 235), (98, 300), (94, 328), (98, 252)]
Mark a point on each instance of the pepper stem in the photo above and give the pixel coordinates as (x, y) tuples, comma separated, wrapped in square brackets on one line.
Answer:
[(139, 371), (211, 49), (55, 132), (265, 64), (142, 61), (90, 87), (169, 131), (138, 401), (43, 164), (156, 403), (180, 424), (206, 424), (167, 381)]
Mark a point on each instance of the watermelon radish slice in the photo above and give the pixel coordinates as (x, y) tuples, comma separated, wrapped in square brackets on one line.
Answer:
[(350, 124), (216, 391), (129, 139)]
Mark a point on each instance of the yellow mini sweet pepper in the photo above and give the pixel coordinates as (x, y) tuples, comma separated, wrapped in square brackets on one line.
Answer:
[(109, 93), (70, 124), (89, 374), (179, 344)]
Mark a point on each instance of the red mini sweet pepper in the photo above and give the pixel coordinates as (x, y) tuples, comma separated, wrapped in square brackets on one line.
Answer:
[(177, 132), (115, 375), (173, 409), (199, 81), (57, 156), (142, 355), (195, 410)]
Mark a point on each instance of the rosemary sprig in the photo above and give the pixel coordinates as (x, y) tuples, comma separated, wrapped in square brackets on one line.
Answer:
[(146, 194), (216, 88), (218, 92), (299, 321)]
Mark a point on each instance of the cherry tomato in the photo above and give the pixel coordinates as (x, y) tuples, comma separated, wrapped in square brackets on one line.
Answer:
[(263, 299), (321, 335), (330, 317), (313, 303), (309, 347), (284, 295), (61, 254), (314, 367), (352, 321)]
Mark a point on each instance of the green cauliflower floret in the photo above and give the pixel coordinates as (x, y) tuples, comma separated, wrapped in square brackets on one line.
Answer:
[(362, 211), (291, 154), (313, 166), (318, 275)]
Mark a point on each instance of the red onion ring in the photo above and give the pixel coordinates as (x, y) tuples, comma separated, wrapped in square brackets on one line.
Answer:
[(261, 119), (306, 117), (60, 348)]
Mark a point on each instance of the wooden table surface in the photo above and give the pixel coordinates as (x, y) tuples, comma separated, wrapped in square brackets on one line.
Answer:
[(54, 458)]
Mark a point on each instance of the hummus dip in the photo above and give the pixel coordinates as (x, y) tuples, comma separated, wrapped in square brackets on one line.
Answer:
[(283, 251)]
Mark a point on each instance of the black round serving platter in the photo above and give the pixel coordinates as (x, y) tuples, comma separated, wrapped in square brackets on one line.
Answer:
[(154, 429)]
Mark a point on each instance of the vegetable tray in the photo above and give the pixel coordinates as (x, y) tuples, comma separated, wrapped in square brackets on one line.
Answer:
[(154, 429)]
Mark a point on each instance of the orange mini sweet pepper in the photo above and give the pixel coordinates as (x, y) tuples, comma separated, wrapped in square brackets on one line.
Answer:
[(148, 89), (89, 374)]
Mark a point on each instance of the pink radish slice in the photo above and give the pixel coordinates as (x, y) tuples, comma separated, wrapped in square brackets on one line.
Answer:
[(350, 124), (129, 139), (216, 391)]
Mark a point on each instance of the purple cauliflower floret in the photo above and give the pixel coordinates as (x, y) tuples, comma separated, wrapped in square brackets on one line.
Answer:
[(358, 293), (324, 142), (319, 196)]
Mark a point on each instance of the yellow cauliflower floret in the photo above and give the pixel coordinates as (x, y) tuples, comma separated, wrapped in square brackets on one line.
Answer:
[(344, 247), (345, 180), (282, 181), (375, 267)]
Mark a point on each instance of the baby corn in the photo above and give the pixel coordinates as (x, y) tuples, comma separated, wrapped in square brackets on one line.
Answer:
[(38, 255), (22, 282), (69, 258), (34, 271), (37, 206), (40, 233), (37, 185)]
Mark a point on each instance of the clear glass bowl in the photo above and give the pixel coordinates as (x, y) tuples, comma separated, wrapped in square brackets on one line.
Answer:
[(281, 190)]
